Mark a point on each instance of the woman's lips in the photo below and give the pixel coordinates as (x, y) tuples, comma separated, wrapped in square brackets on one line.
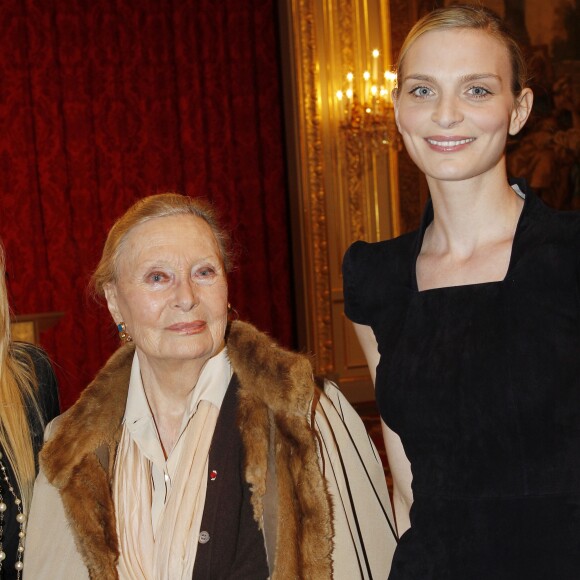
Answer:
[(188, 327), (447, 144)]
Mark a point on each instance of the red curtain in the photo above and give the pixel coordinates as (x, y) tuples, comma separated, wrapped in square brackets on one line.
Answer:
[(104, 102)]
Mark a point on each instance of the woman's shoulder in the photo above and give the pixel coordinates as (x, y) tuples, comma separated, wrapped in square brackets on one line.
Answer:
[(47, 391), (375, 275), (554, 225), (365, 257), (546, 249), (568, 222)]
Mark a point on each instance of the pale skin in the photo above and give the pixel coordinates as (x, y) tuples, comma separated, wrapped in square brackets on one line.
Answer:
[(171, 292), (454, 109)]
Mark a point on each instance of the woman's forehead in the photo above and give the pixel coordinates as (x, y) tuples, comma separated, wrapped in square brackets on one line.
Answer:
[(179, 235), (463, 48)]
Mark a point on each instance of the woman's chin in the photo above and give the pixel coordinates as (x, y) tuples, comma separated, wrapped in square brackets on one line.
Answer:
[(185, 348)]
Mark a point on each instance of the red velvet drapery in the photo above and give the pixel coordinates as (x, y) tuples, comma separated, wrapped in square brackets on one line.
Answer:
[(106, 101)]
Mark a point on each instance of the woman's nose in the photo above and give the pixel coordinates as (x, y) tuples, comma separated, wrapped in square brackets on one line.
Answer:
[(186, 296), (447, 112)]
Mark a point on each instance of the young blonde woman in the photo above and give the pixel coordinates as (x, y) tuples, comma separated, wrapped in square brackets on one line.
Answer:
[(472, 324), (28, 399)]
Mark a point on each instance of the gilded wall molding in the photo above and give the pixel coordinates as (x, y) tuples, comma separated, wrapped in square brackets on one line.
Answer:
[(314, 168), (346, 27), (363, 26), (354, 156)]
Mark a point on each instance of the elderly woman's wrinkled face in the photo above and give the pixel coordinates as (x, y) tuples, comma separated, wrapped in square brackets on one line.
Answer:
[(171, 290)]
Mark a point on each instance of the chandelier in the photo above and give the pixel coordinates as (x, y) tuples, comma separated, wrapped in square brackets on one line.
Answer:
[(366, 113)]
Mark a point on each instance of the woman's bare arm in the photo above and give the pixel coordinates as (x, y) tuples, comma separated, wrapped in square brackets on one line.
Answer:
[(398, 462)]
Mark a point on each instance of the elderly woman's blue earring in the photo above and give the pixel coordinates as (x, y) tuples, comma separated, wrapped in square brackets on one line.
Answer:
[(123, 334)]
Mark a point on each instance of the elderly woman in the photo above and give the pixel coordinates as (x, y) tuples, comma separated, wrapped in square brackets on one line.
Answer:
[(201, 449)]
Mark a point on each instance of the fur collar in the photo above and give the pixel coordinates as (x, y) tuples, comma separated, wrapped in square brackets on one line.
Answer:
[(275, 386)]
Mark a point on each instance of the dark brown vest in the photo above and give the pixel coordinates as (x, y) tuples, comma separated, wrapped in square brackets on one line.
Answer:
[(231, 545)]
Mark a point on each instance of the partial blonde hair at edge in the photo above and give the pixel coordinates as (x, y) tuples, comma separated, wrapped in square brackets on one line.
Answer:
[(18, 390)]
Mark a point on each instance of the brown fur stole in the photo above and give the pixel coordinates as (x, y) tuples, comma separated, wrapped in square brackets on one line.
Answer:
[(273, 383)]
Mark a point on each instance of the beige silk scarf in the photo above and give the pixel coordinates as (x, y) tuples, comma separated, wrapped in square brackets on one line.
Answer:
[(170, 552)]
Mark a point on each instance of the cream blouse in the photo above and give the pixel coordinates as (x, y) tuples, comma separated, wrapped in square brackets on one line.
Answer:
[(211, 386)]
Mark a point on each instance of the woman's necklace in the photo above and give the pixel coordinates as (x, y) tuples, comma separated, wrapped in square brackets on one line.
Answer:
[(20, 518)]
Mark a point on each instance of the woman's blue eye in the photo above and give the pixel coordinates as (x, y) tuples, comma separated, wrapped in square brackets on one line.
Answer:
[(479, 91), (156, 277), (205, 274), (421, 92)]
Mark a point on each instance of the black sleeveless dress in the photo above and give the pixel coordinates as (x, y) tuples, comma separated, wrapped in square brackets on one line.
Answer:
[(482, 384)]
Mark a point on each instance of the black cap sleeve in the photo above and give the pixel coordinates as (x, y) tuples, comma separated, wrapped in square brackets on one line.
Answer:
[(354, 265)]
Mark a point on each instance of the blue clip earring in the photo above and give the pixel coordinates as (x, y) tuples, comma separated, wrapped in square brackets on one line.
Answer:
[(123, 334)]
